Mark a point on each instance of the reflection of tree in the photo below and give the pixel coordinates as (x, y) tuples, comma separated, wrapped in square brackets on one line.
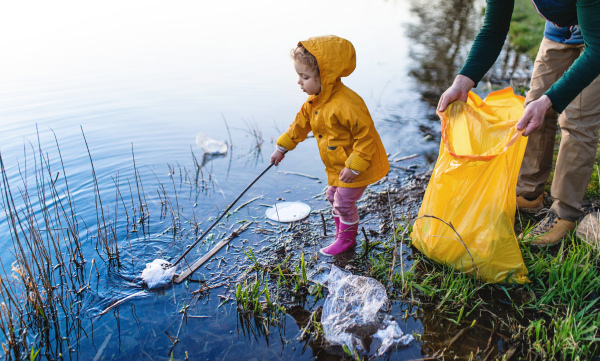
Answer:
[(441, 39)]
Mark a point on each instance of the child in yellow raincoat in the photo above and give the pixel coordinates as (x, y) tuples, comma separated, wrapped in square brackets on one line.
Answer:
[(349, 145)]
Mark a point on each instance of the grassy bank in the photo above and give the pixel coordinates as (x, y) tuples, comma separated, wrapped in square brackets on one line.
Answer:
[(555, 316)]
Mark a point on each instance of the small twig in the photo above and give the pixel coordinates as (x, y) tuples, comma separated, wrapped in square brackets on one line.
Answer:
[(366, 243), (324, 226), (300, 174), (456, 337), (304, 329), (176, 341), (120, 301), (245, 204), (459, 237), (396, 247), (406, 158), (89, 278)]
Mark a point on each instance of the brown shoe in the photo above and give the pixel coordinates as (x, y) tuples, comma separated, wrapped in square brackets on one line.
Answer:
[(533, 206), (550, 230)]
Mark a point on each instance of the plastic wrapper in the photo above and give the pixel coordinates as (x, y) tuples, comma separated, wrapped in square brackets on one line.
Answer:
[(158, 273), (211, 146), (589, 230), (354, 311), (473, 187)]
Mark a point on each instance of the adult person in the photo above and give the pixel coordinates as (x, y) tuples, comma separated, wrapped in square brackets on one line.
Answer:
[(565, 81)]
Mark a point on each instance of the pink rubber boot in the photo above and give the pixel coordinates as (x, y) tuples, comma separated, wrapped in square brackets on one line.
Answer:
[(345, 239)]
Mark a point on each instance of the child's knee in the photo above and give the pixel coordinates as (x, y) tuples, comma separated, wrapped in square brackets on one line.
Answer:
[(330, 194)]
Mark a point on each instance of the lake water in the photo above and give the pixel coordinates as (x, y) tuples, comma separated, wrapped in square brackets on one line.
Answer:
[(142, 78)]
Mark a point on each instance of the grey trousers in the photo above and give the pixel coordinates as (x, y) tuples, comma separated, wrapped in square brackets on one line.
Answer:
[(579, 125)]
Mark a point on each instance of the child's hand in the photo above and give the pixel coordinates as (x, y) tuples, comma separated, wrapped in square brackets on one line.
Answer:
[(347, 176), (277, 157)]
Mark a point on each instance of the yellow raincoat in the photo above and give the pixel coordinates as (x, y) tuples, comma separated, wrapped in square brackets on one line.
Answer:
[(338, 118)]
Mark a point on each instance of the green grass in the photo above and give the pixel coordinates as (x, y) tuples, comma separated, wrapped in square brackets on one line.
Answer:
[(526, 29), (289, 282), (556, 316)]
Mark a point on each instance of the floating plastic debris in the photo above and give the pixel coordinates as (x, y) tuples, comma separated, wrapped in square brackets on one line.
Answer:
[(353, 311), (211, 146), (158, 274), (288, 211)]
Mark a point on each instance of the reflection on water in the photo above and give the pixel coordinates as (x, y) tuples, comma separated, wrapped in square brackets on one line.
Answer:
[(442, 38), (100, 109)]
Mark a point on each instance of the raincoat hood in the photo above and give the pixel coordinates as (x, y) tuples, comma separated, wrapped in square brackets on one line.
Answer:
[(336, 58)]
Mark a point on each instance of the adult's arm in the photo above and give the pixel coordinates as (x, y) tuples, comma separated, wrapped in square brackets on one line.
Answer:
[(583, 71), (484, 51), (488, 43)]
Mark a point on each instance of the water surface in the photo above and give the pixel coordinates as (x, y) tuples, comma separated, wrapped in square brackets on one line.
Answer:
[(141, 79)]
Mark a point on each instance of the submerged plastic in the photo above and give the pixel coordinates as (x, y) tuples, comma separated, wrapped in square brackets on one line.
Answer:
[(353, 311), (211, 146), (473, 187), (158, 273)]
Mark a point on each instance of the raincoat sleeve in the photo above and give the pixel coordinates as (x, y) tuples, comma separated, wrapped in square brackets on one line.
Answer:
[(297, 132), (363, 133)]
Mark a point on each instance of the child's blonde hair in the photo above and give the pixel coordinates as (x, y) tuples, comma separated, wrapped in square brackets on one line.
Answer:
[(303, 56)]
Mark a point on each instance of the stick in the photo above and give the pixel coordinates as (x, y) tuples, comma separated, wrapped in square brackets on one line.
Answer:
[(406, 158), (366, 243), (300, 174), (120, 301), (324, 226), (390, 281), (188, 272), (222, 215), (459, 237), (246, 203)]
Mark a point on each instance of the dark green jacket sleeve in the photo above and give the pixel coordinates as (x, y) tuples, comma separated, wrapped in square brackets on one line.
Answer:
[(587, 67), (489, 41)]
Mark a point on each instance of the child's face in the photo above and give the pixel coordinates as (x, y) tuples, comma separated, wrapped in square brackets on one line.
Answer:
[(308, 83)]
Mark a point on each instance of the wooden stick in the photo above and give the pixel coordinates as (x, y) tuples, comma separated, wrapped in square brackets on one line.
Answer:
[(120, 301), (245, 204), (300, 174), (406, 158), (188, 272)]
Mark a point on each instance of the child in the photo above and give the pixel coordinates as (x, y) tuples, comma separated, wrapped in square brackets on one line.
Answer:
[(349, 145)]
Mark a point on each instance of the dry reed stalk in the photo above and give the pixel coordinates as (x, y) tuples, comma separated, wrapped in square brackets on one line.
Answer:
[(390, 279), (459, 237)]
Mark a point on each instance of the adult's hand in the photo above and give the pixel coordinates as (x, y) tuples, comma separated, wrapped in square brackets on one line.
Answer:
[(459, 90), (534, 115)]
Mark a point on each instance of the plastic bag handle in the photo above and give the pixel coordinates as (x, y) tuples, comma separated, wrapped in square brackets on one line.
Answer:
[(444, 119)]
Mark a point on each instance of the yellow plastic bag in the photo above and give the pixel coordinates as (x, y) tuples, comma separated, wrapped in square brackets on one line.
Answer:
[(473, 187)]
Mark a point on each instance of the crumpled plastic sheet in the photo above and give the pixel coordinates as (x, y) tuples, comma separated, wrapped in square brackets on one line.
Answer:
[(354, 311), (211, 146), (158, 273)]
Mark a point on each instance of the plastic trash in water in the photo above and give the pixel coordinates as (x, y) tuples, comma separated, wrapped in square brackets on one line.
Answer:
[(354, 311), (288, 211), (158, 274), (211, 146)]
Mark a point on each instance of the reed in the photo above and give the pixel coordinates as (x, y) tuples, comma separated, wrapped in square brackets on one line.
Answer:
[(39, 292)]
